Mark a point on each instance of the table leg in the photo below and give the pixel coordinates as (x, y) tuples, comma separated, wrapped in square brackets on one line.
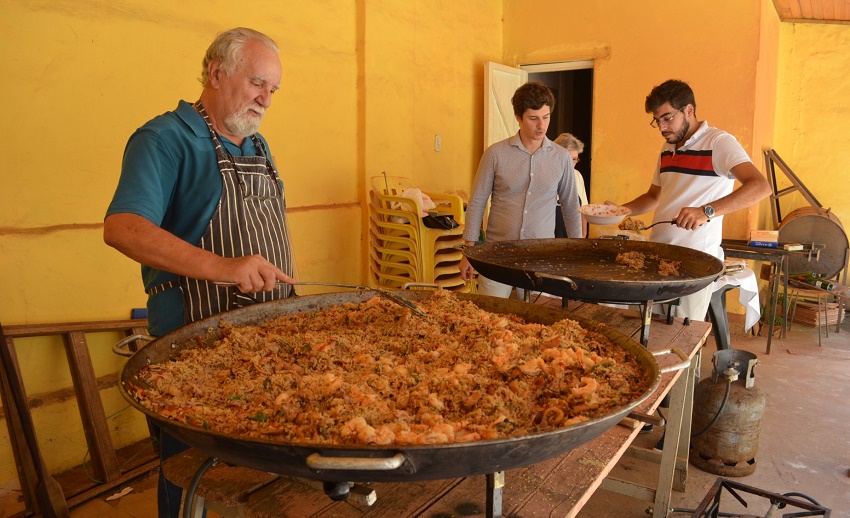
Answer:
[(776, 273), (680, 477), (674, 442), (647, 319), (785, 264), (495, 483), (719, 318)]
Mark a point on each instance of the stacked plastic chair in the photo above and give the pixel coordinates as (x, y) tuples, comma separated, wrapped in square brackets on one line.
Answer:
[(401, 248)]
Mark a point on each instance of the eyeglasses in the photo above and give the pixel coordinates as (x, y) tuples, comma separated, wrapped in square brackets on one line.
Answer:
[(666, 119), (576, 160)]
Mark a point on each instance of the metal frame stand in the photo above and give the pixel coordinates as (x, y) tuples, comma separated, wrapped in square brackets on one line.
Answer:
[(189, 502), (645, 311), (495, 483), (771, 159), (710, 506)]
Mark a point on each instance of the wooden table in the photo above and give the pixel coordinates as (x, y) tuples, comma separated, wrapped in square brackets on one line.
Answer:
[(779, 260), (560, 486)]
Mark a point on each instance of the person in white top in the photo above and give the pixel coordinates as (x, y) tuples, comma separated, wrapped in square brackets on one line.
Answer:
[(575, 147), (693, 183)]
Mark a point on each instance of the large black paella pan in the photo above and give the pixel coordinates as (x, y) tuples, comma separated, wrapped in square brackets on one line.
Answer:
[(377, 463), (586, 269)]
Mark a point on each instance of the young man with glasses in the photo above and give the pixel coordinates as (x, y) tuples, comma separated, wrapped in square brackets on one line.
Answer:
[(693, 183)]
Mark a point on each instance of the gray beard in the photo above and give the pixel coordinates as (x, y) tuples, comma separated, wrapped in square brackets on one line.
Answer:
[(240, 125)]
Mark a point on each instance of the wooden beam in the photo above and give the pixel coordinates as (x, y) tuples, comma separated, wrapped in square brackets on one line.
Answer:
[(91, 407)]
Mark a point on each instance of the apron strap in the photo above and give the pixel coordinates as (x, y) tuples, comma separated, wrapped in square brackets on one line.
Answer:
[(159, 288)]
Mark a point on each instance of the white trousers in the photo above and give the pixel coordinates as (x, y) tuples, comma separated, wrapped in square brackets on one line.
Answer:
[(695, 306), (497, 289)]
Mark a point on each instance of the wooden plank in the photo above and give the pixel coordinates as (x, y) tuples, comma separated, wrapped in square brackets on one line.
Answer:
[(286, 497), (90, 405), (626, 321), (224, 484), (104, 457), (828, 8), (24, 462), (98, 489), (49, 499), (782, 8), (814, 314), (135, 459), (17, 331)]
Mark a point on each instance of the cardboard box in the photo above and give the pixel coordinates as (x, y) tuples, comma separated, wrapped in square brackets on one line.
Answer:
[(764, 238)]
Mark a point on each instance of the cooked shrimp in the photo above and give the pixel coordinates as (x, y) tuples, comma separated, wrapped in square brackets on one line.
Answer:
[(532, 366), (553, 416), (588, 386), (282, 398)]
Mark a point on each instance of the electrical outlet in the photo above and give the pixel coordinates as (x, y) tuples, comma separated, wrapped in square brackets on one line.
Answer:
[(438, 143)]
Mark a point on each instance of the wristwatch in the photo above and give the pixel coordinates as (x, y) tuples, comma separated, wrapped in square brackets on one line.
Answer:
[(709, 211)]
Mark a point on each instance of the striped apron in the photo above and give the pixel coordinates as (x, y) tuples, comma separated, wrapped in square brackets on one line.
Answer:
[(250, 219)]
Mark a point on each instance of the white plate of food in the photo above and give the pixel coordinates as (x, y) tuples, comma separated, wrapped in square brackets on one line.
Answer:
[(602, 214)]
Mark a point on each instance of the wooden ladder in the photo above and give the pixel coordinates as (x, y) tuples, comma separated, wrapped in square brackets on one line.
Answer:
[(42, 494)]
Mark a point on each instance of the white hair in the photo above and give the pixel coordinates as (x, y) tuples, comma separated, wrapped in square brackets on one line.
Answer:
[(227, 48)]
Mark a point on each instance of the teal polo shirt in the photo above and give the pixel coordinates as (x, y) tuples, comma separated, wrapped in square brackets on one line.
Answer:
[(170, 176)]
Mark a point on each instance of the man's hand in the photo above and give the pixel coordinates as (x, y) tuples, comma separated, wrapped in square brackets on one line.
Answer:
[(141, 240), (691, 218), (467, 272), (253, 273)]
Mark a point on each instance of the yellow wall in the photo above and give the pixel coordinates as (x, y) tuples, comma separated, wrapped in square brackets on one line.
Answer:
[(813, 114), (424, 76), (367, 85), (635, 46)]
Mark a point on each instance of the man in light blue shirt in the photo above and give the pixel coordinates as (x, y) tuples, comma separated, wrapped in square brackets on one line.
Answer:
[(523, 177)]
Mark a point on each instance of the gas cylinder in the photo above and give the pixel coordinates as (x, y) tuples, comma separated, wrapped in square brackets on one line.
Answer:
[(727, 416)]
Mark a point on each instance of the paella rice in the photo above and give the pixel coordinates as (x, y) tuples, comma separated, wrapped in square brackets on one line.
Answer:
[(632, 224), (637, 261), (374, 373), (631, 259)]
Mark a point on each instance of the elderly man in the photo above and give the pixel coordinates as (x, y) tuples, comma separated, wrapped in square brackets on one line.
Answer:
[(200, 201)]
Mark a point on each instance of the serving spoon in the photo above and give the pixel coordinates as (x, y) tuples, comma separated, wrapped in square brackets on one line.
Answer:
[(409, 304), (658, 223)]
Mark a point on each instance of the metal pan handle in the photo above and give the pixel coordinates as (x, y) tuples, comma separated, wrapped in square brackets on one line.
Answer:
[(122, 347), (732, 268), (686, 362), (412, 286), (562, 278), (317, 461)]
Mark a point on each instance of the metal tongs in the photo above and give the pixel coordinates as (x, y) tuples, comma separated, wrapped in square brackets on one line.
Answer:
[(382, 292)]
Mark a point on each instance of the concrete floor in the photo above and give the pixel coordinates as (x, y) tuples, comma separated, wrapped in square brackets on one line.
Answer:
[(804, 444), (804, 441)]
